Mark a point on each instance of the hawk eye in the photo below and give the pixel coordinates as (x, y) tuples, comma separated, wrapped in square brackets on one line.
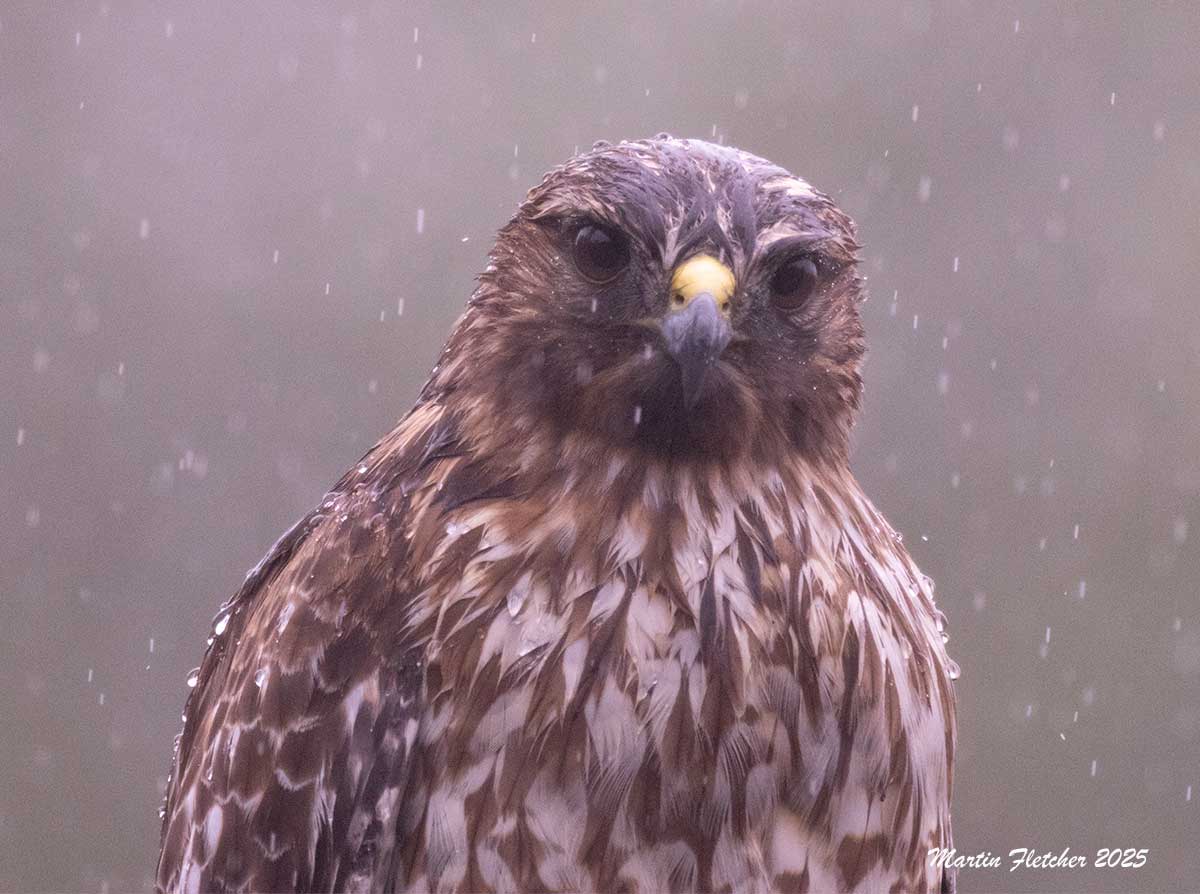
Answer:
[(600, 253), (793, 283)]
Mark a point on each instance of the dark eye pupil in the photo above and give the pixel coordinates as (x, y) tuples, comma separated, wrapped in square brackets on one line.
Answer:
[(793, 283), (599, 253)]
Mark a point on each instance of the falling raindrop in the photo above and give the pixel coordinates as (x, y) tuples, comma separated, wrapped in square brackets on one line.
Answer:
[(1180, 531), (517, 595), (260, 677)]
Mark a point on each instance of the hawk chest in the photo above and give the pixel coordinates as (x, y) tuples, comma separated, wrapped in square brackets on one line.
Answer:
[(716, 718)]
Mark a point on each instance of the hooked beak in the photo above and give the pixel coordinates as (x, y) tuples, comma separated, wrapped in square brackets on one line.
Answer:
[(696, 329)]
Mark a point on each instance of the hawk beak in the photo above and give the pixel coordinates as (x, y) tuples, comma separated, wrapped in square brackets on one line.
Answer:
[(696, 328)]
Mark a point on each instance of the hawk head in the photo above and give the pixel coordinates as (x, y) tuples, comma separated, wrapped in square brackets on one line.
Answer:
[(673, 297)]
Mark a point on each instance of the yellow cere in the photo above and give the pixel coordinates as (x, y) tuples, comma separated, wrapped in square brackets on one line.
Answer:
[(698, 275)]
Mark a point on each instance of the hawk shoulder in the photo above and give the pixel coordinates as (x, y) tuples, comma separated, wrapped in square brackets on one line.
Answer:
[(299, 733)]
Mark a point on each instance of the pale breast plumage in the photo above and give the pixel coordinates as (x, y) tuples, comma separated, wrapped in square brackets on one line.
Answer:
[(668, 702)]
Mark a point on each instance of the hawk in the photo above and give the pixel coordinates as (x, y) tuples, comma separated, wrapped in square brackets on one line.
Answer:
[(607, 610)]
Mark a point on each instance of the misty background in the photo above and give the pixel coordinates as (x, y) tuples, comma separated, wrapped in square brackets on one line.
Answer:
[(234, 237)]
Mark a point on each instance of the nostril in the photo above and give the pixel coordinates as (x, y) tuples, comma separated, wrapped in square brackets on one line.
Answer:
[(678, 300)]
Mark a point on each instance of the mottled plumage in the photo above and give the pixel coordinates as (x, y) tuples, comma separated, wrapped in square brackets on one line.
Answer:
[(607, 610)]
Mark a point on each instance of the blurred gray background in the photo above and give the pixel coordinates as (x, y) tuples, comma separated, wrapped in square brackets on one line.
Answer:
[(234, 236)]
